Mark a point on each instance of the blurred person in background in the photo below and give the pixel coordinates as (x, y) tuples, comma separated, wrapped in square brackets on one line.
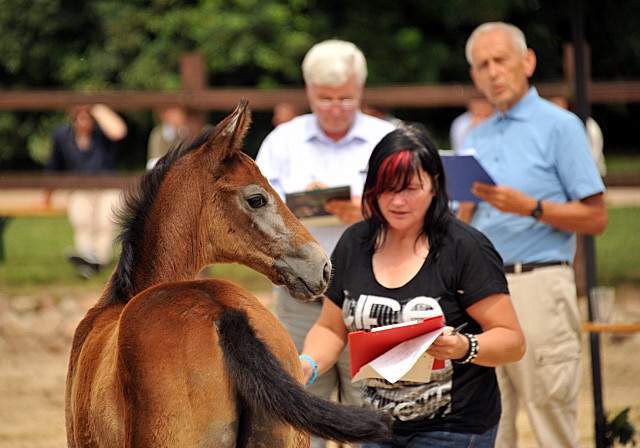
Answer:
[(329, 147), (89, 145), (173, 128), (284, 111), (547, 189)]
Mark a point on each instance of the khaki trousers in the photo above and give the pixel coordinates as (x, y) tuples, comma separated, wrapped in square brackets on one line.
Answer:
[(90, 213), (547, 380), (298, 318)]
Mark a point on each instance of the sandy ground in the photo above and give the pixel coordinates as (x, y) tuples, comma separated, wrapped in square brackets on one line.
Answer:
[(33, 366)]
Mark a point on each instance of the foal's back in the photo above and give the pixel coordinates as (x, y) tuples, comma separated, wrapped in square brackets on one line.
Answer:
[(173, 373)]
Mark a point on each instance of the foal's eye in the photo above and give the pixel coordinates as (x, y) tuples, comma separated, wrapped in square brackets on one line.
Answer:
[(256, 201)]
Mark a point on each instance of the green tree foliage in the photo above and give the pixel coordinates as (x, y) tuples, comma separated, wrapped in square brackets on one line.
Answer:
[(137, 44), (39, 36), (116, 44), (245, 42)]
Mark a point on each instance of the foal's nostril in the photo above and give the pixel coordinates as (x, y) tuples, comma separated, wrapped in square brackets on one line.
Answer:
[(327, 272)]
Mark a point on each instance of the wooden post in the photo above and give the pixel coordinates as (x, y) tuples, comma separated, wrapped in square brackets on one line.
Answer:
[(193, 74), (588, 242), (579, 262)]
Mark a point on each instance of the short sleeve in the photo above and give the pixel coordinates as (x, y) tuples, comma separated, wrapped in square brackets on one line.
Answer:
[(575, 164), (480, 270)]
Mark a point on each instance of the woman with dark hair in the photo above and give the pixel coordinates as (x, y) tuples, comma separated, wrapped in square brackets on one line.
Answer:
[(408, 260)]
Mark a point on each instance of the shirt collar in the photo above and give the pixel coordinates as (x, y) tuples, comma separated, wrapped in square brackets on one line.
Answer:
[(520, 110), (356, 132)]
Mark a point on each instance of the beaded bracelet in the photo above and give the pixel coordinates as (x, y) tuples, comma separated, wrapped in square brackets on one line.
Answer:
[(313, 366), (472, 353)]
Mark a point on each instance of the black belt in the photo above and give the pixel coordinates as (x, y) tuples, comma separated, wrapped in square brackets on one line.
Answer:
[(526, 267)]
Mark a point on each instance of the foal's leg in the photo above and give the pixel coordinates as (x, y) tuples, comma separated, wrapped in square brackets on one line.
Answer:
[(261, 431)]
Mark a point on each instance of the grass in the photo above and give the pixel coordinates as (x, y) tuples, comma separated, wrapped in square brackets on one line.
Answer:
[(34, 258), (621, 164), (34, 249), (618, 248)]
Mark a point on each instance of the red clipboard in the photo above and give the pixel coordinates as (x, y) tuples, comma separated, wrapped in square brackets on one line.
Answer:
[(365, 346)]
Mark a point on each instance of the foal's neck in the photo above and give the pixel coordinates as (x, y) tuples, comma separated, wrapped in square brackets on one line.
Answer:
[(155, 263), (167, 265)]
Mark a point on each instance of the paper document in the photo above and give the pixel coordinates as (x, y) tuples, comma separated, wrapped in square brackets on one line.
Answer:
[(407, 361), (397, 347)]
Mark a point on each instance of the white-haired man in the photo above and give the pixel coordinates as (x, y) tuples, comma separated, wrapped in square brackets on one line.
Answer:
[(548, 189), (329, 147)]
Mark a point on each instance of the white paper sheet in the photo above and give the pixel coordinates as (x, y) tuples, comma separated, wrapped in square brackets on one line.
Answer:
[(406, 361)]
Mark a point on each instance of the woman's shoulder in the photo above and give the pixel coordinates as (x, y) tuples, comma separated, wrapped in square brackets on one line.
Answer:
[(355, 237), (467, 241), (463, 235), (460, 230)]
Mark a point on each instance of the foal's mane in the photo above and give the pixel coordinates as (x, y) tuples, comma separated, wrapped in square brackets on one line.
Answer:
[(133, 216)]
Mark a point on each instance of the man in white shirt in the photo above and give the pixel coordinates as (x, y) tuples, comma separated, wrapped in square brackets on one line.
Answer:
[(329, 147)]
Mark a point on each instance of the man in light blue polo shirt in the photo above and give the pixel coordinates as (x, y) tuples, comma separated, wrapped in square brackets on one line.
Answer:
[(328, 148), (547, 189)]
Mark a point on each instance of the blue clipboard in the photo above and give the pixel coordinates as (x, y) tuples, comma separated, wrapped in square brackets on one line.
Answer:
[(462, 171)]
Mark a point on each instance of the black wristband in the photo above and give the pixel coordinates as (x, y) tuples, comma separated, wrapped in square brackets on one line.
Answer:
[(472, 353)]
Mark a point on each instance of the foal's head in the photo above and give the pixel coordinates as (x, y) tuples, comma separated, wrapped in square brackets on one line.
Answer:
[(208, 203)]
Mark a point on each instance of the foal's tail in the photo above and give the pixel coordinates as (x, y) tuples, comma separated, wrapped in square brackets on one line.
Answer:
[(263, 383)]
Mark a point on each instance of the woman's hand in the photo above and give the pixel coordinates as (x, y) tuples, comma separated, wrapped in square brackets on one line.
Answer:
[(449, 346)]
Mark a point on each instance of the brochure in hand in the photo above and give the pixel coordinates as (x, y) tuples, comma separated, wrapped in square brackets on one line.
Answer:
[(308, 204), (395, 352), (462, 170)]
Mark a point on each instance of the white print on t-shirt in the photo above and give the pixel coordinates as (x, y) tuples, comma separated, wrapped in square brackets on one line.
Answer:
[(404, 400), (370, 311), (411, 401)]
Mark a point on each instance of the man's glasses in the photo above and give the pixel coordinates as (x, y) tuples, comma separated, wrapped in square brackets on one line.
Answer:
[(345, 104)]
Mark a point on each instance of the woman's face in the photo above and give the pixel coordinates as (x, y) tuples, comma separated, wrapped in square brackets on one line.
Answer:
[(83, 121), (405, 210)]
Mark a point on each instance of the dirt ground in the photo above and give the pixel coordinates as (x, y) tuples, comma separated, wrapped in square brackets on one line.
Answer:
[(33, 362)]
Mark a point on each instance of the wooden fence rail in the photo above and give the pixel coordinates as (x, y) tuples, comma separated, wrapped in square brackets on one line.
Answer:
[(226, 98)]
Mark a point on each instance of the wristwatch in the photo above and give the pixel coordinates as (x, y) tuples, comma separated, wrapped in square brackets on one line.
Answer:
[(537, 212)]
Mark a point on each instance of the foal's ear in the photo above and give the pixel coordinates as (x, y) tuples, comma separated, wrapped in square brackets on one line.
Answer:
[(230, 132)]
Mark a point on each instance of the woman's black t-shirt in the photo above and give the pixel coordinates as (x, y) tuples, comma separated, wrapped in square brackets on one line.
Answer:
[(466, 269)]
